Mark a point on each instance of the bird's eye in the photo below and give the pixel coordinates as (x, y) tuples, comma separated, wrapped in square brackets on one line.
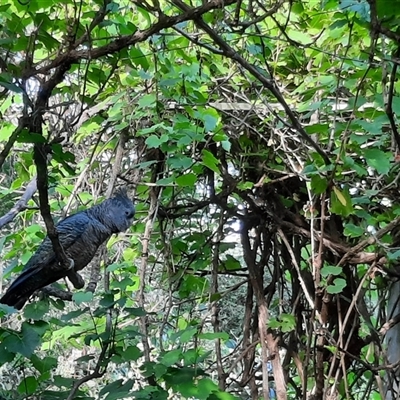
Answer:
[(129, 214)]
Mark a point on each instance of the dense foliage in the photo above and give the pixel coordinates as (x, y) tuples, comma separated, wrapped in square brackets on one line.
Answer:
[(259, 141)]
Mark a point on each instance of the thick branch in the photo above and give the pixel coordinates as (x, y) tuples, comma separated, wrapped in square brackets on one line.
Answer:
[(40, 157), (40, 152), (74, 56), (376, 26)]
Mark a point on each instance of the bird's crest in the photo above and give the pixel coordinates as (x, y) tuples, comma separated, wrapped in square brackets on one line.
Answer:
[(122, 194)]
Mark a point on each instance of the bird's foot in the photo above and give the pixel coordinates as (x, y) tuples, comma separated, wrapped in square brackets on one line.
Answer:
[(51, 290)]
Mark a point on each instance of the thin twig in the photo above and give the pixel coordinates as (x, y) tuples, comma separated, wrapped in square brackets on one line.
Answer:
[(21, 204)]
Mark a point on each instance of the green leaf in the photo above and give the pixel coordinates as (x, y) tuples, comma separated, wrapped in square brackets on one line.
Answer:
[(178, 161), (349, 163), (33, 229), (147, 101), (396, 105), (40, 327), (188, 335), (210, 121), (392, 256), (36, 310), (28, 385), (29, 137), (340, 196), (82, 297), (341, 202), (190, 390), (60, 155), (123, 283), (111, 387), (135, 311), (353, 231), (171, 357), (5, 310), (45, 364), (387, 9), (165, 181), (91, 339), (131, 353), (5, 355), (205, 387), (224, 396), (74, 314), (330, 270), (226, 145), (6, 131), (319, 184), (288, 322), (24, 343), (360, 7), (186, 180), (6, 81), (113, 267), (231, 263), (316, 128), (285, 322), (121, 392), (213, 335), (338, 285), (310, 170), (378, 159), (210, 161), (107, 300), (245, 185), (154, 141)]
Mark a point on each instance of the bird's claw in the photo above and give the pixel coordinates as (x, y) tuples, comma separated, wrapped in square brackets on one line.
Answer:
[(71, 264)]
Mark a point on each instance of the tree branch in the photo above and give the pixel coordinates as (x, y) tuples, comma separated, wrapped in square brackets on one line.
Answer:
[(99, 370), (74, 56), (11, 140), (40, 152), (40, 158), (20, 205), (268, 83), (376, 26), (389, 104)]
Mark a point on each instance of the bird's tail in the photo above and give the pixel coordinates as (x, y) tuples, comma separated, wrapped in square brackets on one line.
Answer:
[(24, 286)]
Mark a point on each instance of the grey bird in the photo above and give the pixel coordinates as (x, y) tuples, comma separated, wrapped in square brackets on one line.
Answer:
[(80, 235)]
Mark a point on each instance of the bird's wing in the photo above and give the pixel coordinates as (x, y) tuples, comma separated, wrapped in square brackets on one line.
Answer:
[(36, 274), (69, 231)]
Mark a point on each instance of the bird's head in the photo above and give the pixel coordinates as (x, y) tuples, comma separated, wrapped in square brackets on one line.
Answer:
[(120, 212)]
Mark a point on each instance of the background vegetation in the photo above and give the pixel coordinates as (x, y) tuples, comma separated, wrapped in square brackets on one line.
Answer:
[(259, 141)]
